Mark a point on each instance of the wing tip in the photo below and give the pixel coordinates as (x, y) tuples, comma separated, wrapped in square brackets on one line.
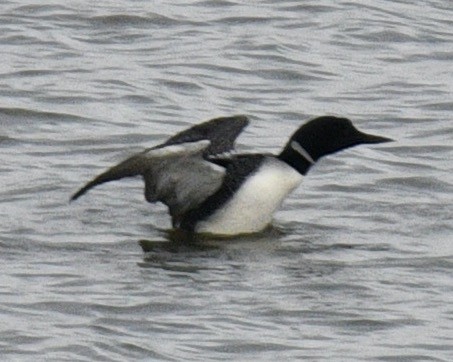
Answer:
[(79, 193)]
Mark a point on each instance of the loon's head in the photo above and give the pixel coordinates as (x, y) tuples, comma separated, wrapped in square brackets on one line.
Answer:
[(323, 136)]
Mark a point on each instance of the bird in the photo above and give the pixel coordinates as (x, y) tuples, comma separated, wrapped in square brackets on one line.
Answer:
[(211, 189)]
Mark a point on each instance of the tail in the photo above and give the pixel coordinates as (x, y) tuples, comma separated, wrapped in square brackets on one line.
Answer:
[(128, 168)]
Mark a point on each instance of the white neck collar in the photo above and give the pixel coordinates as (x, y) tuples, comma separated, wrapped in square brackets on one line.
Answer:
[(301, 151)]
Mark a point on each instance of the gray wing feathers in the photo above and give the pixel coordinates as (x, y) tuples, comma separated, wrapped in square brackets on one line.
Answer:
[(133, 166), (178, 172), (176, 175), (181, 179)]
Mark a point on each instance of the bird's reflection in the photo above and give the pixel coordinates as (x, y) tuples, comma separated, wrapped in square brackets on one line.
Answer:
[(180, 240), (173, 241), (178, 249)]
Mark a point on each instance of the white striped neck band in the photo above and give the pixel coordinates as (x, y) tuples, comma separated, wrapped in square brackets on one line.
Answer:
[(301, 151)]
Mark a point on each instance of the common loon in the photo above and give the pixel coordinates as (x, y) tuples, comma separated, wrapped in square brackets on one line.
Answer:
[(210, 190)]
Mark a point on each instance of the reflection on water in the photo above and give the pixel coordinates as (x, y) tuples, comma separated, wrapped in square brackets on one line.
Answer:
[(179, 247), (176, 238)]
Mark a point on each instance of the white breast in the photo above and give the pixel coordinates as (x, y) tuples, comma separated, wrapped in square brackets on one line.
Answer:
[(251, 208)]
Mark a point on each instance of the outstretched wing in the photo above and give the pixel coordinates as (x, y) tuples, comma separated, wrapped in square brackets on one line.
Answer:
[(178, 172), (176, 175)]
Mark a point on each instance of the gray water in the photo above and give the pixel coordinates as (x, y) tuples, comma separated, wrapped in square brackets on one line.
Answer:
[(358, 263)]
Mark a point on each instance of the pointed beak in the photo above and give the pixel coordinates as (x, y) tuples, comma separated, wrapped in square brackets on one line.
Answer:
[(370, 138)]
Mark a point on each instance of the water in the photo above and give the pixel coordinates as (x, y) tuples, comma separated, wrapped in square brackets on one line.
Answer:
[(358, 264)]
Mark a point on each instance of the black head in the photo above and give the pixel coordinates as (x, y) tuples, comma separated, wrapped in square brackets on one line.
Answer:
[(323, 136)]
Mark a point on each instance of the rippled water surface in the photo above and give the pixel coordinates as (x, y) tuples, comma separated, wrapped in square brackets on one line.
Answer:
[(358, 263)]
